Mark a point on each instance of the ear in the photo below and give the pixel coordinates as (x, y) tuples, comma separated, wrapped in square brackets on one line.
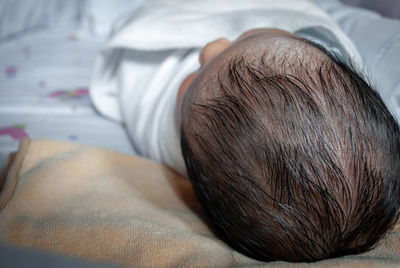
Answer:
[(212, 49)]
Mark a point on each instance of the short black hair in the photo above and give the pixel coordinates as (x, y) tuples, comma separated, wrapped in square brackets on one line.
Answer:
[(297, 167)]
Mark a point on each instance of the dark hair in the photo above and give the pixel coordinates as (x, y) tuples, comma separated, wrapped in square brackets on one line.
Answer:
[(296, 167)]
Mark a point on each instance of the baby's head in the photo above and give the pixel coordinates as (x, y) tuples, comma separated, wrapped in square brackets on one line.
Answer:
[(292, 154)]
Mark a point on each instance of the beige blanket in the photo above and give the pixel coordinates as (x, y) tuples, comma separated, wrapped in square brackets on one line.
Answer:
[(105, 206)]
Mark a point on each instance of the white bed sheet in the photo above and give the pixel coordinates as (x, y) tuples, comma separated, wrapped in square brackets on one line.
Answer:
[(44, 78)]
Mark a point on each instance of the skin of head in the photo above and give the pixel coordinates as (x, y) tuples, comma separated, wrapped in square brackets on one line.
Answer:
[(291, 152), (214, 48)]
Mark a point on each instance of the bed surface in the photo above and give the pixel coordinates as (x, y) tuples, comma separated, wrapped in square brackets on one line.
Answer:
[(387, 8), (44, 78)]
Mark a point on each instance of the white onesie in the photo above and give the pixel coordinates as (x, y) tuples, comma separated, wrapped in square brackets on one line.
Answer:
[(152, 49)]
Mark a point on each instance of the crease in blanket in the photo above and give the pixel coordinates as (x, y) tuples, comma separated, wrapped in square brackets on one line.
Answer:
[(9, 176)]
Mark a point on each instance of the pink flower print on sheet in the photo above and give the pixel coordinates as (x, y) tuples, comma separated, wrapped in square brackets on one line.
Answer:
[(70, 94), (17, 132), (11, 71), (72, 38), (42, 83), (26, 50)]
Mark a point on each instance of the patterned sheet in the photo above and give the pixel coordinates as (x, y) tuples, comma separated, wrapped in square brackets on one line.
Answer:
[(44, 78)]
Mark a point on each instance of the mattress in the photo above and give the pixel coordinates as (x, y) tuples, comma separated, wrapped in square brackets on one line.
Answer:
[(44, 78)]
